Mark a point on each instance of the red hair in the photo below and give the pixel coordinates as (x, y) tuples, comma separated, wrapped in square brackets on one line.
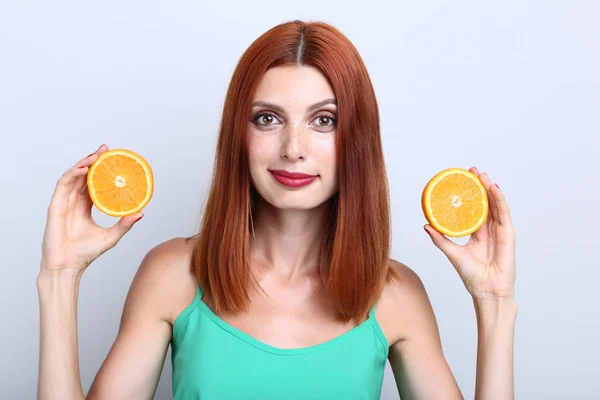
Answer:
[(354, 253)]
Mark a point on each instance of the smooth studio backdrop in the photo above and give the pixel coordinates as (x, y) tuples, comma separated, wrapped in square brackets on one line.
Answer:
[(511, 87)]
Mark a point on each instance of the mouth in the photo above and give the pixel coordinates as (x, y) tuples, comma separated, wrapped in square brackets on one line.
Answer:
[(293, 179), (292, 175)]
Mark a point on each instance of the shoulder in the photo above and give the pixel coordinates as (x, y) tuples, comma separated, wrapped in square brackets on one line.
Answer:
[(403, 304), (165, 277), (405, 289)]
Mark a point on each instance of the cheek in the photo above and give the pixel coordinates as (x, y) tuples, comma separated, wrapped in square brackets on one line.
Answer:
[(326, 154), (257, 147)]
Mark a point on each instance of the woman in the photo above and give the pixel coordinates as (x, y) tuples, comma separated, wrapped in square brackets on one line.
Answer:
[(287, 291)]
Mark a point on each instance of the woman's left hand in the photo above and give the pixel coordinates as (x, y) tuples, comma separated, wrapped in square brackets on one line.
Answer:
[(486, 264)]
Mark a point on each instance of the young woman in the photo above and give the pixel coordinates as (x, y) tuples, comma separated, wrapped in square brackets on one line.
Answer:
[(287, 291)]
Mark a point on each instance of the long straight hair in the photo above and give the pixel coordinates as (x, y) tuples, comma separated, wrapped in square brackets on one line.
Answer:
[(354, 253)]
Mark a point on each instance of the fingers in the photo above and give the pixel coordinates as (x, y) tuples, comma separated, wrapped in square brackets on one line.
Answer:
[(84, 203), (71, 183), (453, 251), (74, 174), (65, 187), (480, 234), (89, 160), (85, 164), (501, 206), (483, 177), (118, 230), (498, 205)]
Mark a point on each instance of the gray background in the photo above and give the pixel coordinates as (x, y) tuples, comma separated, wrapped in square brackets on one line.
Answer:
[(511, 87)]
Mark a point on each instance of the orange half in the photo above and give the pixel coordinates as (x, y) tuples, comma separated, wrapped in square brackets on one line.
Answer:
[(120, 182), (455, 202)]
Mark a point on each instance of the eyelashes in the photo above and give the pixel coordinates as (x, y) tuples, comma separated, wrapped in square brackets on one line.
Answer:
[(268, 116), (323, 121)]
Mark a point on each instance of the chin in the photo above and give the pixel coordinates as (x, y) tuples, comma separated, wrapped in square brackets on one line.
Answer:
[(296, 201), (305, 198)]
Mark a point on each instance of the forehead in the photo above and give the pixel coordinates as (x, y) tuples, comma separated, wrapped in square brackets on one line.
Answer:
[(293, 84)]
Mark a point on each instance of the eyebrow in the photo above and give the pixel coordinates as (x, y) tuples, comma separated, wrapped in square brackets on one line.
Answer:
[(280, 109)]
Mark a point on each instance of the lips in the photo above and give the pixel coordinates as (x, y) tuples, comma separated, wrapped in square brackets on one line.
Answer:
[(293, 175), (292, 179)]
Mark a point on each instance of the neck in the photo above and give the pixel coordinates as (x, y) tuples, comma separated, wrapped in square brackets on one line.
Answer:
[(286, 242)]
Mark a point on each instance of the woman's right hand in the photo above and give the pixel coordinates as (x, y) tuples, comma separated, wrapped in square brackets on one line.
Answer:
[(72, 239)]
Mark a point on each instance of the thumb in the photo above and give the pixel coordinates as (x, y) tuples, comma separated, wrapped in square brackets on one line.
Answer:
[(124, 225), (449, 248)]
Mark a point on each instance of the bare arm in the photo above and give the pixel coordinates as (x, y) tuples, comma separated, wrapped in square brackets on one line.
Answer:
[(495, 344), (72, 241), (417, 359), (487, 267), (58, 363), (133, 366)]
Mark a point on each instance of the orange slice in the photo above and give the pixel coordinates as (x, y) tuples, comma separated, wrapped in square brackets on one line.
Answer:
[(455, 202), (120, 182)]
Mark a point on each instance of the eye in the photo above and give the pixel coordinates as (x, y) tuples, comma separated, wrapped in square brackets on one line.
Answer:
[(324, 121), (266, 119)]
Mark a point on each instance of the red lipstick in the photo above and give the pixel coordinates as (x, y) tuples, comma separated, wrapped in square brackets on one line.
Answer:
[(293, 179)]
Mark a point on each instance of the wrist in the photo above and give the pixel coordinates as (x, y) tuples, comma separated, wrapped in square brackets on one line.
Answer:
[(497, 301), (495, 310), (48, 275)]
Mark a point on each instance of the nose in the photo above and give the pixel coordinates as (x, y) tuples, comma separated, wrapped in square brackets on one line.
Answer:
[(293, 146)]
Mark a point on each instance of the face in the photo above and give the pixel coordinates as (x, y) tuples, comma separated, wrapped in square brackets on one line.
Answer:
[(292, 129)]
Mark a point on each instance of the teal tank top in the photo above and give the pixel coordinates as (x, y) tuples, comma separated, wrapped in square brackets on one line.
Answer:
[(212, 360)]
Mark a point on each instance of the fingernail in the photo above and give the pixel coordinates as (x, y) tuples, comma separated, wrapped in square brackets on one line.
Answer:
[(90, 155), (138, 219), (83, 166), (495, 184), (427, 231)]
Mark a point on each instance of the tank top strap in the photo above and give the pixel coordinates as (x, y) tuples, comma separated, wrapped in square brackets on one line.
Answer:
[(186, 312), (378, 330)]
